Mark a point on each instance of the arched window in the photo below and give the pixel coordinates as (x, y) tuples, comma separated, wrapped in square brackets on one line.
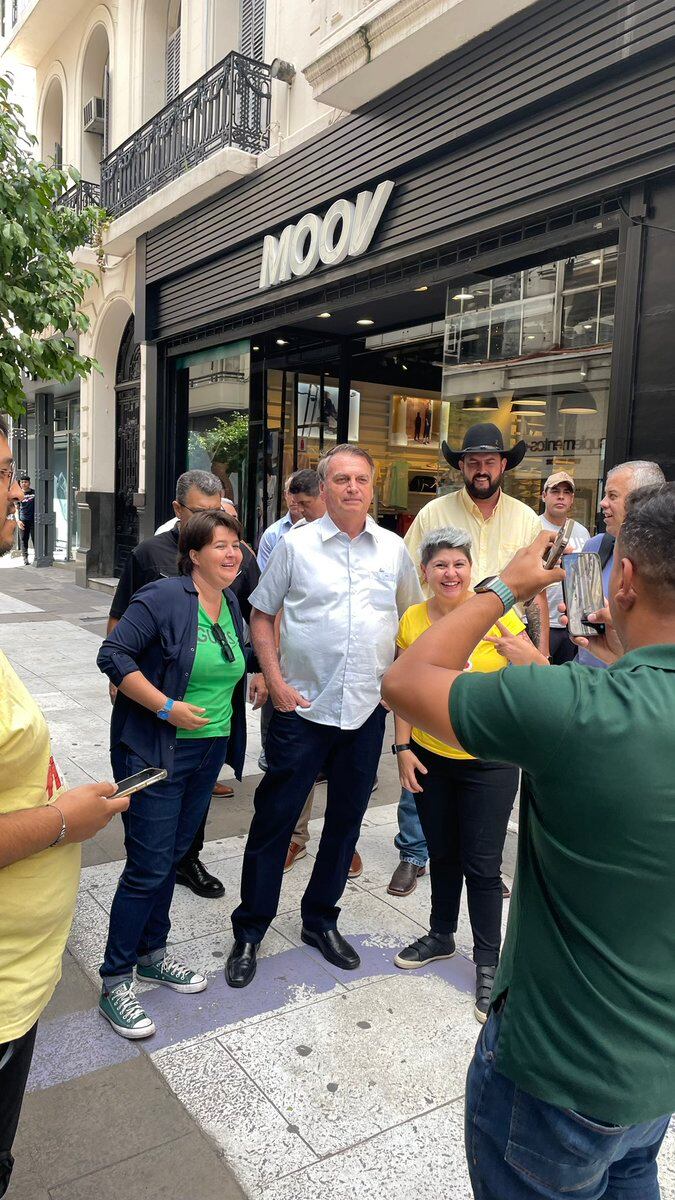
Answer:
[(51, 129), (96, 115)]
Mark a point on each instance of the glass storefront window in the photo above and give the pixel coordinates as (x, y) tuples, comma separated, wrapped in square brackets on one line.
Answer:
[(218, 415), (545, 375)]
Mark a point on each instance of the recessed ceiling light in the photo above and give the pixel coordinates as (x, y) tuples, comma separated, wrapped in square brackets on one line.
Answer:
[(281, 342), (256, 347), (365, 321), (423, 288), (404, 366), (595, 262), (463, 295), (588, 326), (324, 315), (530, 337)]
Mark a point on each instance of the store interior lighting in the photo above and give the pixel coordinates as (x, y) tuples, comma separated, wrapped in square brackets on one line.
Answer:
[(365, 321), (463, 295), (524, 409), (480, 404), (577, 401), (530, 396)]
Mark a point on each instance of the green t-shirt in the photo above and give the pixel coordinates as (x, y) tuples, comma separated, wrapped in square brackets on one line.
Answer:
[(212, 679), (589, 955)]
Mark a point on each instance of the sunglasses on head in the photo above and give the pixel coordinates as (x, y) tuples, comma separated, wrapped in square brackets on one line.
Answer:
[(225, 647)]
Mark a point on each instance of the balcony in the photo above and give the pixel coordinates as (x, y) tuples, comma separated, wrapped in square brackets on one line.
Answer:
[(80, 196), (32, 26), (229, 107), (363, 48)]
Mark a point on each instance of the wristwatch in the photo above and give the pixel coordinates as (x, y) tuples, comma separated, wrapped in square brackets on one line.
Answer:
[(396, 749), (163, 713), (494, 584)]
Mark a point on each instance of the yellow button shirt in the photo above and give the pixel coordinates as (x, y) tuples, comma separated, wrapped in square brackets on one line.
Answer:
[(494, 541), (37, 894), (485, 658)]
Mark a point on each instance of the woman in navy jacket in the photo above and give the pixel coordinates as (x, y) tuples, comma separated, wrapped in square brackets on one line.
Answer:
[(178, 660)]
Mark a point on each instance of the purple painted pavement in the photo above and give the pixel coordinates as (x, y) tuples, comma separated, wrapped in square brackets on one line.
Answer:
[(79, 1043)]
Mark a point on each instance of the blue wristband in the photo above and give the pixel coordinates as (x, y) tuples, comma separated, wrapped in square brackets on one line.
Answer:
[(163, 713)]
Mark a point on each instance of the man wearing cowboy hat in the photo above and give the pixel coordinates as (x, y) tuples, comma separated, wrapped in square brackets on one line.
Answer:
[(499, 525)]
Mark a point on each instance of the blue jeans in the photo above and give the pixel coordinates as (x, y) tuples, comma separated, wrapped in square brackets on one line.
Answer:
[(521, 1148), (409, 840), (297, 750), (159, 826)]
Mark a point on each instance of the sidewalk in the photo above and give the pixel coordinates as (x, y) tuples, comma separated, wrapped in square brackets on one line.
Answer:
[(310, 1083)]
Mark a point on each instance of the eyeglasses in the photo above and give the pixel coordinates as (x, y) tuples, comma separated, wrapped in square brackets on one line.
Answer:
[(9, 474), (225, 647)]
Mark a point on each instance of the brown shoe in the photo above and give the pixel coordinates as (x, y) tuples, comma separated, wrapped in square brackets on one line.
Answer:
[(356, 868), (404, 879), (294, 853), (224, 790)]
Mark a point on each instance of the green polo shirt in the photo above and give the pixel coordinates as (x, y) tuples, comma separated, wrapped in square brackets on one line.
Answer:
[(589, 954)]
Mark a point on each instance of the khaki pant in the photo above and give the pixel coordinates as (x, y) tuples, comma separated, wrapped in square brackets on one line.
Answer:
[(301, 832)]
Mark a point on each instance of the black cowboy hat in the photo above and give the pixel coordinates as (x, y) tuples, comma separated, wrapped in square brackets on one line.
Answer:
[(485, 439)]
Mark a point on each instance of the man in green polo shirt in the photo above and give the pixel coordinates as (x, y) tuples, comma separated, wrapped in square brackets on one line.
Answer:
[(573, 1079)]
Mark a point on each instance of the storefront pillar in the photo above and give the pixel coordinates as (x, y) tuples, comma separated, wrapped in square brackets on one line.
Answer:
[(44, 479)]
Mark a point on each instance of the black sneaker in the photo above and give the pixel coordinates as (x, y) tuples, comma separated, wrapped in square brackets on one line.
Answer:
[(485, 977), (426, 949)]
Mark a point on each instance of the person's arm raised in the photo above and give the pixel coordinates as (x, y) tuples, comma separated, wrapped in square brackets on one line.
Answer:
[(418, 684)]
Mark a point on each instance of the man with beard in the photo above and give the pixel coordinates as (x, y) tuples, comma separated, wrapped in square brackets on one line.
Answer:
[(499, 525)]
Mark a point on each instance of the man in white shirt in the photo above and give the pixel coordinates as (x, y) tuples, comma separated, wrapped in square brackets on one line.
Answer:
[(342, 583), (558, 498), (278, 529)]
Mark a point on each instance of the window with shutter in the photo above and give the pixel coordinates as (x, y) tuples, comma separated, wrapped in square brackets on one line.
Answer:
[(252, 42), (173, 66)]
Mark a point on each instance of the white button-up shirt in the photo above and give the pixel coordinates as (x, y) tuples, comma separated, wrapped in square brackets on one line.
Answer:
[(342, 599), (270, 537)]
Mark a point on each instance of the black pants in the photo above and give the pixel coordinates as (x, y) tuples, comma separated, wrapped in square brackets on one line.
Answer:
[(561, 649), (464, 811), (15, 1060), (27, 534), (297, 750)]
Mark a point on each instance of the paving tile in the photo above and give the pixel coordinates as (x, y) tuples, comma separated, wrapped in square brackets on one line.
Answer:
[(353, 1065), (93, 1122), (187, 1169), (89, 931), (258, 1141), (423, 1158), (73, 993)]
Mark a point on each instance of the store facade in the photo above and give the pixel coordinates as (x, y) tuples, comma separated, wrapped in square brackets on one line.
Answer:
[(492, 241)]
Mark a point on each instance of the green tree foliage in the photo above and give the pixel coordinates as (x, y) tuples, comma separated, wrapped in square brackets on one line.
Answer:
[(40, 287), (227, 440)]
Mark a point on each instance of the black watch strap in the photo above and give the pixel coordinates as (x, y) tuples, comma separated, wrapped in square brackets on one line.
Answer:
[(397, 748)]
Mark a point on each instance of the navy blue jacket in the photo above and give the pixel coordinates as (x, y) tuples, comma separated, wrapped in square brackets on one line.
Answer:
[(158, 637)]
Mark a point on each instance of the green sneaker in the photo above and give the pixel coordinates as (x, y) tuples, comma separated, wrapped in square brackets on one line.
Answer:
[(121, 1008), (173, 974)]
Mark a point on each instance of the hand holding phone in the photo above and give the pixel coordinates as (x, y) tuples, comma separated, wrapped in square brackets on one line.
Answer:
[(559, 545), (143, 779), (583, 594)]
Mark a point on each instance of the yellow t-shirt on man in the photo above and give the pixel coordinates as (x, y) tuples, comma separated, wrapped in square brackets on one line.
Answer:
[(485, 658), (37, 894)]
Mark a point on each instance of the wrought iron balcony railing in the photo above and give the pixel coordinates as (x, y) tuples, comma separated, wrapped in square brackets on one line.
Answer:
[(229, 106), (81, 195)]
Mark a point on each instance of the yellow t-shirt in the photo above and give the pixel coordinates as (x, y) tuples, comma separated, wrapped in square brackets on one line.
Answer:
[(37, 894), (485, 657)]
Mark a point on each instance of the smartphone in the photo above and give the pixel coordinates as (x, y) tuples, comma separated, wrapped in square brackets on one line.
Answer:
[(583, 593), (558, 547), (136, 783)]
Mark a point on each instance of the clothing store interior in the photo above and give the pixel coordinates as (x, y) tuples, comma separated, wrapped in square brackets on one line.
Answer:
[(529, 351)]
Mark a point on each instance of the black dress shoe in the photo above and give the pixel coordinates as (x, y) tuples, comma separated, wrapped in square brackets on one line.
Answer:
[(333, 947), (241, 964), (194, 875)]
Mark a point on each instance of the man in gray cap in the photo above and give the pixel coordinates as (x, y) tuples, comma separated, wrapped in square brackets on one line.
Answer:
[(558, 499)]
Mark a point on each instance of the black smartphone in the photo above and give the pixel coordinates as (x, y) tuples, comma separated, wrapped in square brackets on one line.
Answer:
[(559, 546), (136, 783), (583, 593)]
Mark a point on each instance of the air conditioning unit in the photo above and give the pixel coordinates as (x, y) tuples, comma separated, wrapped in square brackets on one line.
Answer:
[(94, 115)]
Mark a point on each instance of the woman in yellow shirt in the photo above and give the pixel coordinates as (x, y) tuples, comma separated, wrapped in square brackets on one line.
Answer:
[(463, 804)]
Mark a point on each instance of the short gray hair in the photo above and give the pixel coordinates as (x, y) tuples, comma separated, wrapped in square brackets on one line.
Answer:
[(446, 538), (645, 473), (647, 536), (203, 481), (344, 448)]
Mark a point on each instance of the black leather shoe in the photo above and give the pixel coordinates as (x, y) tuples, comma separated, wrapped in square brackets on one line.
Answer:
[(194, 875), (333, 947), (241, 964)]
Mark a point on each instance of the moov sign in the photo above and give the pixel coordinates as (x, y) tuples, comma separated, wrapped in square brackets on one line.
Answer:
[(345, 231)]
